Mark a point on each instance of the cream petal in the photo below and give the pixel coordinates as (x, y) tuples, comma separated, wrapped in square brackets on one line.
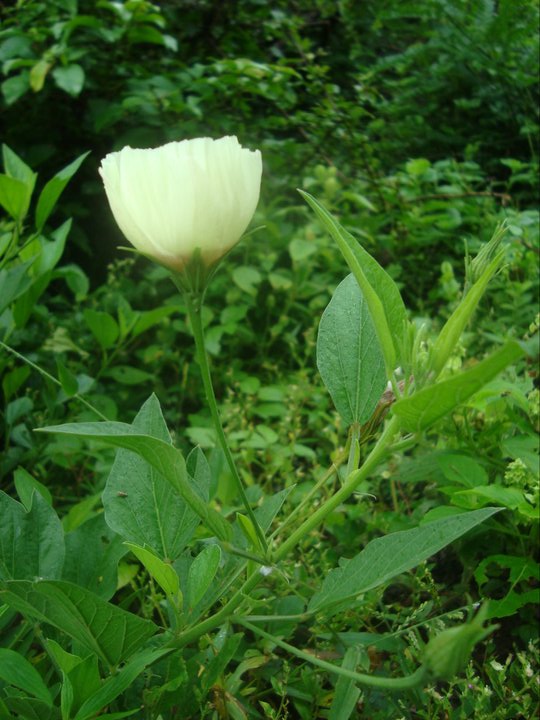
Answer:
[(194, 194)]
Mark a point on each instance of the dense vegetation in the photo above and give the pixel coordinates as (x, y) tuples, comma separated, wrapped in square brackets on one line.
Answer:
[(415, 124)]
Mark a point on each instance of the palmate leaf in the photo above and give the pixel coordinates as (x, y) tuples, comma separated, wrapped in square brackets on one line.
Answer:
[(141, 505), (386, 557), (104, 629), (161, 455)]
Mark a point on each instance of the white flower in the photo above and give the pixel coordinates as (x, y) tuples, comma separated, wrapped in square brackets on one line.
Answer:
[(184, 199)]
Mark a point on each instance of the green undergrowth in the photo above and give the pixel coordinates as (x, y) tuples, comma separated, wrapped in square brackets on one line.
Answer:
[(415, 125)]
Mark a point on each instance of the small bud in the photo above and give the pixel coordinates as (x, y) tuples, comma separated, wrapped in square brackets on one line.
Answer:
[(475, 267), (448, 653)]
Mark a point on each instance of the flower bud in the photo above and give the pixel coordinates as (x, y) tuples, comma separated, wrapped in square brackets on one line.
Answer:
[(185, 201), (449, 652)]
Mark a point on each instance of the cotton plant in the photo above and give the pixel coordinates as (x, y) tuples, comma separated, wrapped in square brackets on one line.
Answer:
[(185, 206)]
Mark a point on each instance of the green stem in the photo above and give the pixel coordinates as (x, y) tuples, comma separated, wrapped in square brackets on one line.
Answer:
[(253, 580), (221, 616), (50, 377), (333, 469), (302, 617), (194, 308), (402, 683), (346, 490)]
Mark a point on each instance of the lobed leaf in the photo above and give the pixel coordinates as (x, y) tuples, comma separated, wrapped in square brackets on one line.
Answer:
[(104, 629), (162, 456)]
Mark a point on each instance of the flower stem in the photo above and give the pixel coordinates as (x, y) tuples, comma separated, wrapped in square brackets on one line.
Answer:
[(194, 308), (400, 683)]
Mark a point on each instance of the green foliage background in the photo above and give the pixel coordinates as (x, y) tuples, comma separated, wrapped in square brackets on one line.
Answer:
[(416, 123)]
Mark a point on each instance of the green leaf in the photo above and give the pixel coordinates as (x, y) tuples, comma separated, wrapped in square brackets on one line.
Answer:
[(14, 197), (17, 671), (117, 683), (248, 529), (216, 667), (83, 681), (522, 571), (524, 447), (75, 278), (148, 510), (148, 318), (162, 456), (388, 556), (48, 255), (247, 278), (103, 327), (509, 497), (163, 573), (101, 549), (69, 78), (14, 282), (384, 300), (80, 513), (145, 34), (270, 507), (69, 383), (26, 485), (461, 469), (417, 166), (51, 252), (300, 250), (27, 708), (31, 542), (430, 404), (202, 572), (349, 356), (38, 73), (62, 658), (13, 379), (346, 694), (18, 169), (15, 87), (126, 375), (54, 188), (104, 629), (17, 185)]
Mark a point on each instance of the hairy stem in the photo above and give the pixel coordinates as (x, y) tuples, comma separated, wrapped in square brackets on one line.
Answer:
[(345, 491), (373, 459)]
